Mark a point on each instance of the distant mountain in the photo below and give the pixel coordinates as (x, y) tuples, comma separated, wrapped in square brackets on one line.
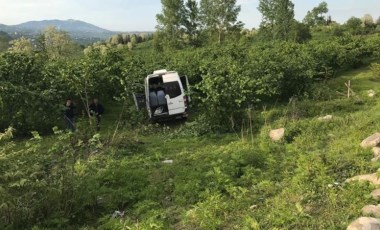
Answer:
[(80, 31), (68, 25)]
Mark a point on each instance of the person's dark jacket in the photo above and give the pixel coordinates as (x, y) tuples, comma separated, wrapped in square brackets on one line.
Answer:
[(69, 112), (96, 109)]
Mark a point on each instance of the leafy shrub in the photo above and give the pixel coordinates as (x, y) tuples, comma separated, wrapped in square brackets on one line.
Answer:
[(231, 83), (280, 70), (27, 101)]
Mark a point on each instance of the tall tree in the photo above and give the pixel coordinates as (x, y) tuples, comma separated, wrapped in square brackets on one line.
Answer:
[(220, 16), (142, 37), (126, 38), (268, 11), (191, 20), (117, 39), (354, 25), (58, 44), (317, 16), (134, 39), (277, 18), (367, 20), (284, 19), (170, 21)]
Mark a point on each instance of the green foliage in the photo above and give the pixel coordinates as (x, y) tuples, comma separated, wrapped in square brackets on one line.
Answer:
[(269, 71), (368, 21), (240, 180), (124, 39), (282, 69), (317, 15), (354, 25), (225, 86), (278, 17), (192, 21), (229, 78), (373, 44), (220, 17), (28, 103), (21, 45), (78, 180), (170, 22), (338, 53), (301, 32), (58, 44)]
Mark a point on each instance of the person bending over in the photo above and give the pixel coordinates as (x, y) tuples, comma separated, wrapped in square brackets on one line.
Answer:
[(96, 110)]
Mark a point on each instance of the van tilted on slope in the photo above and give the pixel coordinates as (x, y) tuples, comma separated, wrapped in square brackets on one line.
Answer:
[(164, 95)]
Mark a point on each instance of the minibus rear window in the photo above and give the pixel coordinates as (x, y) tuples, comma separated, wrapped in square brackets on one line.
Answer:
[(172, 89)]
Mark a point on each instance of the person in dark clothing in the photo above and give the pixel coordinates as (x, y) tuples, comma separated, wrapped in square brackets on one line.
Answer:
[(69, 115), (97, 110)]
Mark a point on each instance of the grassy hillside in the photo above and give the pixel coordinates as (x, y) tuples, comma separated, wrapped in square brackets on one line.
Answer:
[(215, 181)]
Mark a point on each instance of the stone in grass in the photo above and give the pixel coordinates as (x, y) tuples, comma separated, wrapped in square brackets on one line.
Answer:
[(375, 159), (371, 210), (376, 194), (365, 223), (325, 118), (371, 141), (371, 93), (168, 161), (371, 178), (253, 206), (376, 151), (277, 134), (376, 154)]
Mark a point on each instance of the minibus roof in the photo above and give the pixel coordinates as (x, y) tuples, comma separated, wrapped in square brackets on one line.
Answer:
[(159, 74)]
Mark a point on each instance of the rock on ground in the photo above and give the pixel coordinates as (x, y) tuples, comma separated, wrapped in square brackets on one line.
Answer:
[(375, 159), (371, 141), (365, 223), (372, 210), (371, 93), (376, 194), (325, 118), (376, 151), (168, 161), (371, 178), (277, 134)]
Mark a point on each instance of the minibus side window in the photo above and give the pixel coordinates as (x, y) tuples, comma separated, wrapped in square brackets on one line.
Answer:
[(172, 89)]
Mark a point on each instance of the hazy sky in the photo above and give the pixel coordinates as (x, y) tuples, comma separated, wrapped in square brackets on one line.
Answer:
[(127, 15)]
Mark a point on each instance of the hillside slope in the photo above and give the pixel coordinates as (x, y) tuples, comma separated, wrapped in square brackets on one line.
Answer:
[(166, 178)]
